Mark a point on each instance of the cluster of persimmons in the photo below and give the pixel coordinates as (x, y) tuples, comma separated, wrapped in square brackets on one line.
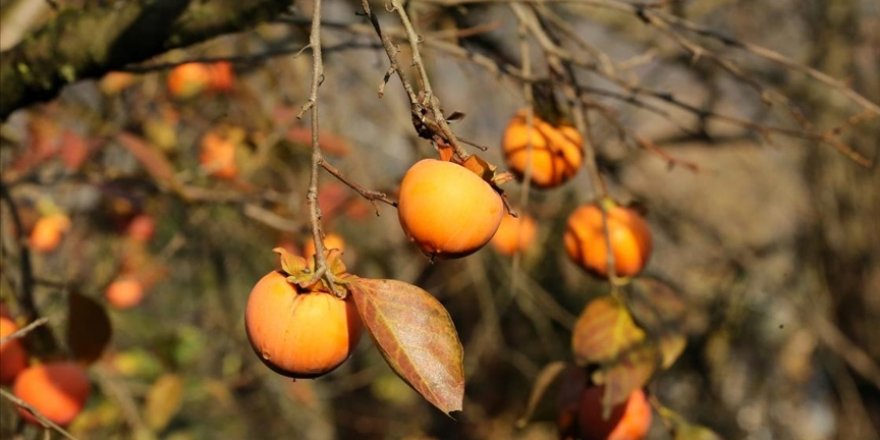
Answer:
[(450, 208), (58, 388)]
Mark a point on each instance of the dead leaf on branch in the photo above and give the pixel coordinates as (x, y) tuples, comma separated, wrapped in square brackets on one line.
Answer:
[(416, 336), (604, 330), (88, 327)]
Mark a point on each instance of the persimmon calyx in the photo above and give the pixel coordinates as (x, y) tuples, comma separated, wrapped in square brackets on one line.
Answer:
[(303, 272)]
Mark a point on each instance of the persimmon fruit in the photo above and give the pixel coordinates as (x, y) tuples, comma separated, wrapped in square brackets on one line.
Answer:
[(125, 292), (556, 150), (446, 209), (13, 356), (514, 234), (222, 76), (331, 241), (586, 244), (217, 156), (188, 80), (48, 231), (629, 420), (300, 334), (141, 228), (58, 390)]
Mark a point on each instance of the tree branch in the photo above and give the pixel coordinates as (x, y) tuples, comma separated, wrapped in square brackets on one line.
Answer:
[(86, 43)]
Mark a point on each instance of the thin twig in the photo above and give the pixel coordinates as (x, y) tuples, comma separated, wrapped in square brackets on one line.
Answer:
[(48, 424), (317, 157), (22, 332)]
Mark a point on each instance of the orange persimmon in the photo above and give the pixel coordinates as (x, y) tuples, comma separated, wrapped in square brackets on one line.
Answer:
[(556, 150), (514, 234), (13, 356), (299, 334), (58, 390), (446, 209), (586, 244)]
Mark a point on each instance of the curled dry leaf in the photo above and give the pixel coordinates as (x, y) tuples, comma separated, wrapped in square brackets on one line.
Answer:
[(547, 377), (416, 336), (627, 373)]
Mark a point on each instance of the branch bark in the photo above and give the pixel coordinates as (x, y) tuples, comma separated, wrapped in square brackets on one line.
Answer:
[(86, 43)]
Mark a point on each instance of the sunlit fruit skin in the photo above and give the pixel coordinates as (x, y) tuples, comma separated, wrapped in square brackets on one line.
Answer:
[(556, 152), (47, 232), (629, 420), (58, 390), (299, 335), (188, 80), (125, 292), (586, 245), (13, 356), (331, 241), (514, 234), (446, 209), (217, 156)]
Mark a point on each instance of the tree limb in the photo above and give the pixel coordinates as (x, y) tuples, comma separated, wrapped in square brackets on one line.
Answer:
[(86, 43)]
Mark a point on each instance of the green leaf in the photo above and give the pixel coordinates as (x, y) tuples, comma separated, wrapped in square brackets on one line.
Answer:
[(416, 336)]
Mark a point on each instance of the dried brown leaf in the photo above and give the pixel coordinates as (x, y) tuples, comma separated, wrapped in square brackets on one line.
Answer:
[(604, 330), (163, 401), (416, 336), (88, 327), (547, 377)]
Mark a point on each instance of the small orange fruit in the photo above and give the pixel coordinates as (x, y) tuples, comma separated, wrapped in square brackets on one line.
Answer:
[(13, 356), (446, 209), (629, 420), (188, 80), (47, 232), (514, 234), (141, 228), (556, 151), (299, 334), (125, 292), (115, 82), (331, 241), (217, 156), (222, 76), (58, 390), (630, 239)]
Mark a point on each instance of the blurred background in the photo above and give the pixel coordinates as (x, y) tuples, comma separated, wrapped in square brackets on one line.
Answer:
[(765, 222)]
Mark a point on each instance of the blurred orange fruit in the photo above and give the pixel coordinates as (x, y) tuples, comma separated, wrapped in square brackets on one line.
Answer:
[(331, 241), (514, 234), (299, 334), (217, 156), (48, 231), (630, 236), (125, 292), (629, 420), (188, 80), (222, 76), (556, 151), (58, 390), (141, 228), (446, 209), (13, 356)]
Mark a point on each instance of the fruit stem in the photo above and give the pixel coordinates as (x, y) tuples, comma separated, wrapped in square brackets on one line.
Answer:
[(317, 157)]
